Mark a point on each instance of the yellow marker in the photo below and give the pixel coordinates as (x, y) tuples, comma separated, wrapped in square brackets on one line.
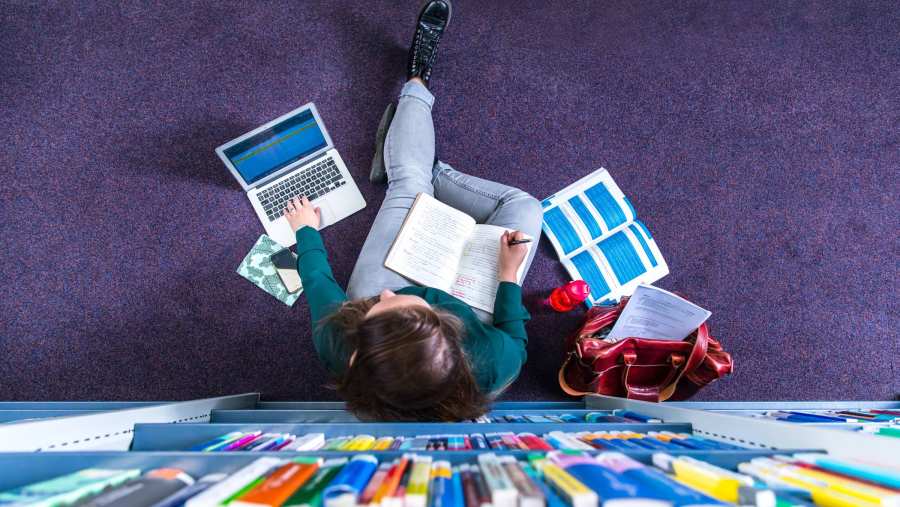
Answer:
[(575, 493), (819, 491), (865, 492), (419, 477), (361, 443), (383, 444), (708, 480)]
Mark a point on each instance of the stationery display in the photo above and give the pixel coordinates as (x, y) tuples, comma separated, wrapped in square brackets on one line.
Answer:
[(885, 423), (554, 479), (258, 268), (594, 230), (441, 247), (554, 440)]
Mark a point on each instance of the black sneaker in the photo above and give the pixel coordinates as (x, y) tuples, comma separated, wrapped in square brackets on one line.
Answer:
[(433, 20)]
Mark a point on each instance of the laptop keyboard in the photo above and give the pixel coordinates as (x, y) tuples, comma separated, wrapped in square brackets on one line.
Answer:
[(313, 182)]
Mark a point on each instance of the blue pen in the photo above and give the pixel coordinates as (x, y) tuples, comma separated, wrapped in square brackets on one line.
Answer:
[(823, 418), (628, 414), (799, 417)]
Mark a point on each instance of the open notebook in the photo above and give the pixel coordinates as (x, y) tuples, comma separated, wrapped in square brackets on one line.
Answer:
[(593, 228), (439, 246)]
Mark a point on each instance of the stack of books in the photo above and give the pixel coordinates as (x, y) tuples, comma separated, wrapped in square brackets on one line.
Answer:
[(258, 441), (554, 479)]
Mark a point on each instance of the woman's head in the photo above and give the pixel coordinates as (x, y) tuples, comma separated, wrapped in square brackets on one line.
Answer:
[(408, 364)]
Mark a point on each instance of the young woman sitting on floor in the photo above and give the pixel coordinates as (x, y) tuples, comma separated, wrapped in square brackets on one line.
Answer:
[(402, 352)]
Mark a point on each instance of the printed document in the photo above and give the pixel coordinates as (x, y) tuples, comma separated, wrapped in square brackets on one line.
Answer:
[(657, 314)]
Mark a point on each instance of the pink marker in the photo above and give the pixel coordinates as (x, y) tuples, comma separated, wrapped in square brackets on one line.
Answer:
[(243, 441)]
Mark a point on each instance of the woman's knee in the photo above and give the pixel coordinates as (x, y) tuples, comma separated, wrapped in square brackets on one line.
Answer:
[(528, 210)]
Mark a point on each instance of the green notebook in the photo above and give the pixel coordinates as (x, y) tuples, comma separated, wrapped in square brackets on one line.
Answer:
[(258, 268)]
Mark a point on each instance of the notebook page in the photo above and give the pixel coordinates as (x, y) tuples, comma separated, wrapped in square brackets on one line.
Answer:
[(477, 279), (615, 266), (429, 246), (589, 210)]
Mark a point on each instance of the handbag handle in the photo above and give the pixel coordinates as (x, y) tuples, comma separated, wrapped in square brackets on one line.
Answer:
[(564, 384), (698, 353), (650, 393)]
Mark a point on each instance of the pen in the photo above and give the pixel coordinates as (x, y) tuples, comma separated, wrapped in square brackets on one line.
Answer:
[(519, 241)]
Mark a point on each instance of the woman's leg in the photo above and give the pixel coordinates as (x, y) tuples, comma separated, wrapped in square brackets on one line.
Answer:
[(409, 159), (489, 202)]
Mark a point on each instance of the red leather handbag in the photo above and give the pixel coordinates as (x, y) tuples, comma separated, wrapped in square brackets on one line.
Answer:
[(649, 370)]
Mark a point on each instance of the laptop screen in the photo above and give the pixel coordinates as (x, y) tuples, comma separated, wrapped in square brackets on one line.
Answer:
[(277, 147)]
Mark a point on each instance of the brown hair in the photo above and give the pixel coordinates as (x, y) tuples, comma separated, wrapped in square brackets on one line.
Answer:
[(409, 364)]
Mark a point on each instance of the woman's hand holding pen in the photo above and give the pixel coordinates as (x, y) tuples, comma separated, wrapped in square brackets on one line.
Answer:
[(512, 255), (300, 212)]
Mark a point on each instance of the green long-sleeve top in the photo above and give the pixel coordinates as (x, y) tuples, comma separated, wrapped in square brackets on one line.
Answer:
[(496, 352)]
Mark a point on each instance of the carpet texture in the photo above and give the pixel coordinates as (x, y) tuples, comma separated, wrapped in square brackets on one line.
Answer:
[(758, 141)]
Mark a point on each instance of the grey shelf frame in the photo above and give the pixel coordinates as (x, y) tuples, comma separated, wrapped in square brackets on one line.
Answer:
[(109, 430), (707, 420), (167, 437)]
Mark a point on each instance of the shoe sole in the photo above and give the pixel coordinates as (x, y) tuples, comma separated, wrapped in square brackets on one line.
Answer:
[(377, 172)]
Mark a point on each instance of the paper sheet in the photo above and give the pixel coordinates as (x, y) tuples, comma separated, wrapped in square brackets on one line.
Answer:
[(654, 313)]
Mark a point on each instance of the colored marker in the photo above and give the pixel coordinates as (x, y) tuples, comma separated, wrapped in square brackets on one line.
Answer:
[(419, 477), (346, 486), (635, 416), (714, 481), (569, 488), (529, 494), (440, 491), (242, 442), (381, 473), (216, 442), (310, 494)]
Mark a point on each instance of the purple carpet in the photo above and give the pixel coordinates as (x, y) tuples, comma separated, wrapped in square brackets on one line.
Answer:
[(757, 140)]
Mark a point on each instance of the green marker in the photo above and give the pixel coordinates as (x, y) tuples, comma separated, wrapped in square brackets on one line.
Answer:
[(310, 494)]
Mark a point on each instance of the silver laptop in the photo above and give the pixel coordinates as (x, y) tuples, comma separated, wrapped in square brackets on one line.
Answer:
[(288, 157)]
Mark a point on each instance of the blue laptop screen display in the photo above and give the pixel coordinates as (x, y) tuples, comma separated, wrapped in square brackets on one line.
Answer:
[(276, 147)]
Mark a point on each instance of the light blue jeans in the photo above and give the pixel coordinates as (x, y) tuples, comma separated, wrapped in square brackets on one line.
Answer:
[(412, 168)]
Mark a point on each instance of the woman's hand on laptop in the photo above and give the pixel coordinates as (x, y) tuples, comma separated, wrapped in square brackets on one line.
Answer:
[(300, 212)]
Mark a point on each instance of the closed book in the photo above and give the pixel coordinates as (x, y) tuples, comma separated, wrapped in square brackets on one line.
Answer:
[(143, 491), (279, 486), (68, 488)]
